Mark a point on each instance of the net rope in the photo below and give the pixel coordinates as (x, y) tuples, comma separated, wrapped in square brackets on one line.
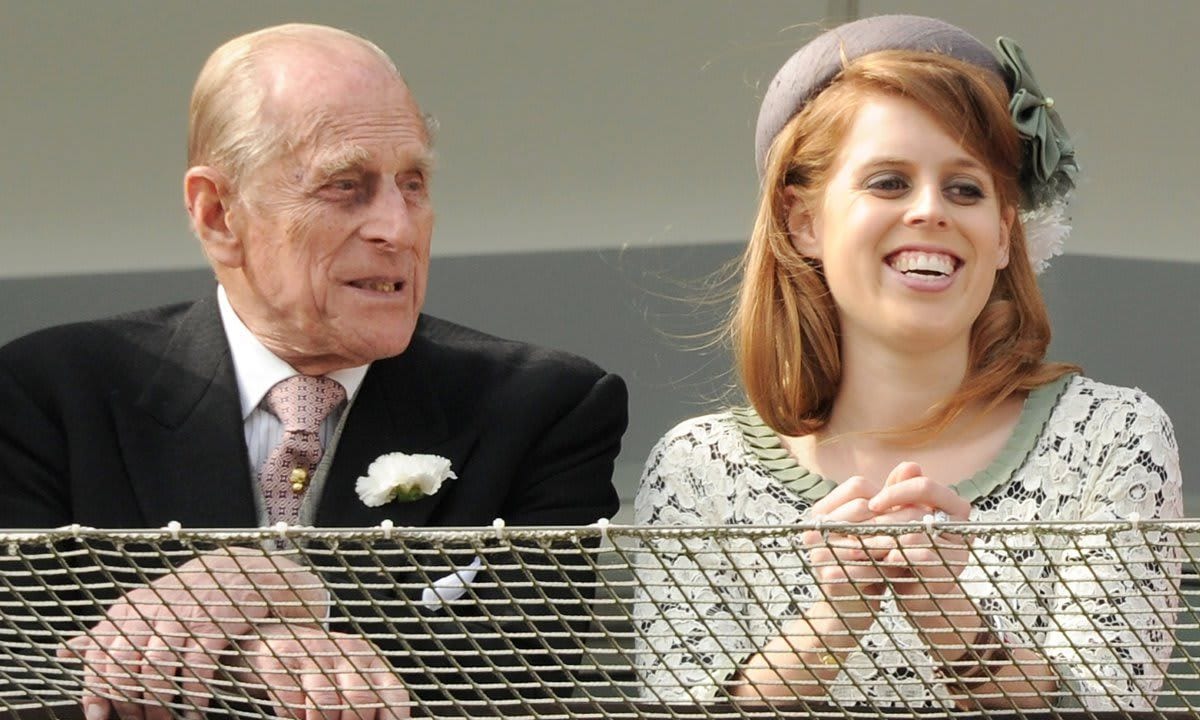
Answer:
[(591, 622)]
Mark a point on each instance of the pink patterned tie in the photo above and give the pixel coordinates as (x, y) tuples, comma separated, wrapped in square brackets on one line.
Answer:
[(301, 403)]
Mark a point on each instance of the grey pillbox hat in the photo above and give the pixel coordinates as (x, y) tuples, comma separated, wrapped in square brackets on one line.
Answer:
[(812, 68)]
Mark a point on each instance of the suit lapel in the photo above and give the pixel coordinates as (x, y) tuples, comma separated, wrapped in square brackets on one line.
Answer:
[(183, 438), (396, 410)]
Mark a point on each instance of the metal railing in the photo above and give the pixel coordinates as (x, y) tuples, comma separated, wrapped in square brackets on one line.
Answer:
[(602, 621)]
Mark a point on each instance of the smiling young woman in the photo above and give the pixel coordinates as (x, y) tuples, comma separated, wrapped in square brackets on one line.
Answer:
[(962, 111), (890, 337)]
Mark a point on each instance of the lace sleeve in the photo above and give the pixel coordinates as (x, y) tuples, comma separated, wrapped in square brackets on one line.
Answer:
[(686, 607), (1110, 637)]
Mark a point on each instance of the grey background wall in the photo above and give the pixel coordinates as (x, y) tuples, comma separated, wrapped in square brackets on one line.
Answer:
[(598, 154)]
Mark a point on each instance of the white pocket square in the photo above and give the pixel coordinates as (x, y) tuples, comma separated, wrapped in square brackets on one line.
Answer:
[(450, 588)]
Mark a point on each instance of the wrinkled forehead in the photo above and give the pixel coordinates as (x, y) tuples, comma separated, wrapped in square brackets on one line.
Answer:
[(338, 139), (354, 111)]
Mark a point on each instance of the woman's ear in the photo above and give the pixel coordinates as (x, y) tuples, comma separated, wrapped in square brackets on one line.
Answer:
[(800, 224), (207, 197), (1007, 217)]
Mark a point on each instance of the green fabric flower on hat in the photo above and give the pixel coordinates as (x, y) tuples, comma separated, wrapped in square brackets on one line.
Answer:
[(1049, 168)]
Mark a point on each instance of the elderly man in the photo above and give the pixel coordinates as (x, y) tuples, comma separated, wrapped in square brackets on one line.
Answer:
[(308, 188)]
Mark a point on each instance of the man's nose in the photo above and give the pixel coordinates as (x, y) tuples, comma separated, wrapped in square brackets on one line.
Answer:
[(928, 207), (391, 222)]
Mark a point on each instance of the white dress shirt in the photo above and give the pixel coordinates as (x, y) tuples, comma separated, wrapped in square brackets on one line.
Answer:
[(258, 370)]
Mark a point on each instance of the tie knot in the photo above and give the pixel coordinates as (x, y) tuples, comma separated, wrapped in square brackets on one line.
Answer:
[(302, 402)]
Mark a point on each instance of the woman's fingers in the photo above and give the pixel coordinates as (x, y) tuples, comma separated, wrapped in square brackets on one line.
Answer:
[(846, 571), (911, 515), (911, 497), (904, 471), (924, 560), (861, 564), (852, 509), (923, 493), (841, 558), (853, 488)]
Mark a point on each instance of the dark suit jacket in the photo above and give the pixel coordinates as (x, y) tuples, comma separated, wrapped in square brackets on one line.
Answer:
[(134, 421)]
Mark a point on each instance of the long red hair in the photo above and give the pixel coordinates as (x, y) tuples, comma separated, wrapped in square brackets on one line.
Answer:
[(784, 325)]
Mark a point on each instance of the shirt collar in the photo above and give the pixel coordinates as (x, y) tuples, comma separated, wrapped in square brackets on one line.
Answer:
[(258, 369)]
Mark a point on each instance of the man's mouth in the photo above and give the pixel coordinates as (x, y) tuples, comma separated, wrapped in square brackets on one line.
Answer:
[(923, 264), (378, 285)]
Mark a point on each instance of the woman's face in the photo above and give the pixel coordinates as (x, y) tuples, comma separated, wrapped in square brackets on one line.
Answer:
[(909, 230)]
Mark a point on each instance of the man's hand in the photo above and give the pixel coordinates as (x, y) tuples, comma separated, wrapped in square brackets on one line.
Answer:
[(166, 639), (310, 673)]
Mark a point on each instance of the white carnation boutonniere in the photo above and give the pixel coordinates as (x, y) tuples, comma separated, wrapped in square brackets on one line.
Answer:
[(402, 477)]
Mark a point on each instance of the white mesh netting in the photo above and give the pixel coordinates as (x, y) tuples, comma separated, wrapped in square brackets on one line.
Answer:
[(581, 622)]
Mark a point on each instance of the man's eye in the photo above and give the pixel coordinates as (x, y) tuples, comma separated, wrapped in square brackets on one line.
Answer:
[(341, 190), (414, 186)]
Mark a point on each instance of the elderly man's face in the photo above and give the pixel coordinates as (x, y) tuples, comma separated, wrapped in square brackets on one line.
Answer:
[(336, 230)]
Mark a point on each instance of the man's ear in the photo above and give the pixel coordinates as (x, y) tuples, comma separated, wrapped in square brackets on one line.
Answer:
[(800, 224), (207, 197), (1007, 217)]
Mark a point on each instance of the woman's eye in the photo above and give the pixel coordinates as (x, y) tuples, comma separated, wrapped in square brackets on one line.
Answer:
[(887, 185), (965, 192)]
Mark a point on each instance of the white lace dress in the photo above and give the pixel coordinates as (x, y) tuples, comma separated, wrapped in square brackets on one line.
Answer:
[(1082, 450)]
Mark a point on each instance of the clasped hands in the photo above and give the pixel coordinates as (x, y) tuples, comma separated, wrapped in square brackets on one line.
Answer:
[(917, 566), (257, 618)]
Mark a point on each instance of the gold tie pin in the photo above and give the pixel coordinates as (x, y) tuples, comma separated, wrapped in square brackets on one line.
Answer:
[(299, 480)]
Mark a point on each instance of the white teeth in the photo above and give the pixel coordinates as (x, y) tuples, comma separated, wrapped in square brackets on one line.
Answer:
[(922, 263)]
